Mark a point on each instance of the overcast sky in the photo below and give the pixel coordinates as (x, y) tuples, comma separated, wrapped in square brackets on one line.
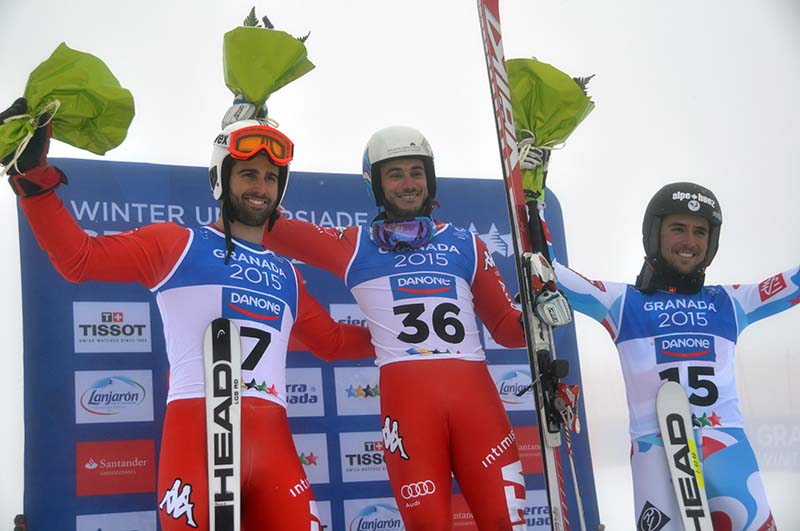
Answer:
[(685, 90)]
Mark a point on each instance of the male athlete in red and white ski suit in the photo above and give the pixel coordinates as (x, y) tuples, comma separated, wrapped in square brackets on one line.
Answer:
[(439, 404), (441, 410), (261, 292)]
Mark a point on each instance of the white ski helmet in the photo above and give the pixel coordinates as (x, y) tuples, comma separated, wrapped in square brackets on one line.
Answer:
[(393, 143), (258, 136)]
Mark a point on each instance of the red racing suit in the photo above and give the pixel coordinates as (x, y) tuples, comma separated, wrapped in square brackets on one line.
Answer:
[(441, 410), (261, 292)]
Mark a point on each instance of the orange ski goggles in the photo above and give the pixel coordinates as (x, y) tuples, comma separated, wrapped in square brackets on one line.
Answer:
[(247, 141)]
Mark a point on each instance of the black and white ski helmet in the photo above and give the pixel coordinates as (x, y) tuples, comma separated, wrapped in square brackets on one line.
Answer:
[(394, 143), (681, 198), (220, 165)]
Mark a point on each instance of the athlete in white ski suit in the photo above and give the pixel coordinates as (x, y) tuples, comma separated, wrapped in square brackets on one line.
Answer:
[(669, 326)]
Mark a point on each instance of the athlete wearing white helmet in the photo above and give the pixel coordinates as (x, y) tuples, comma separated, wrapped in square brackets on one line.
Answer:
[(195, 275), (243, 140), (421, 284)]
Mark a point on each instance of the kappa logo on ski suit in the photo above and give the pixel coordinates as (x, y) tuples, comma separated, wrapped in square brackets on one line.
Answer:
[(178, 503), (392, 440)]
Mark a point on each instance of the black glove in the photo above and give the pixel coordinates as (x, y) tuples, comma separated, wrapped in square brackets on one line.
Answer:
[(22, 179)]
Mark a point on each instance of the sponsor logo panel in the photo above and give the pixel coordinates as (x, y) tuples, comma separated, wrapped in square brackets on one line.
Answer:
[(304, 397), (133, 521), (511, 380), (348, 314), (685, 347), (529, 448), (113, 396), (324, 509), (111, 327), (312, 450), (537, 512), (375, 513), (415, 285), (115, 467), (357, 391), (362, 456), (463, 520)]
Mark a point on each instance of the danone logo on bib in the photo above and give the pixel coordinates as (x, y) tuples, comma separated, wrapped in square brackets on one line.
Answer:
[(685, 347), (242, 304), (414, 285)]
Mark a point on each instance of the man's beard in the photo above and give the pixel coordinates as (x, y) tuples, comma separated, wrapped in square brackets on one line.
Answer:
[(241, 212)]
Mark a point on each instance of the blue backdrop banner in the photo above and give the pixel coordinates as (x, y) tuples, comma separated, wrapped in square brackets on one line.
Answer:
[(96, 371)]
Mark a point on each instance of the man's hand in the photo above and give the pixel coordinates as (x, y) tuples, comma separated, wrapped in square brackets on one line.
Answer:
[(530, 156), (553, 308), (28, 173), (549, 302)]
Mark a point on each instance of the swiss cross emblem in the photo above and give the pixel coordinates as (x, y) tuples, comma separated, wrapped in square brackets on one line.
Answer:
[(771, 286), (117, 317)]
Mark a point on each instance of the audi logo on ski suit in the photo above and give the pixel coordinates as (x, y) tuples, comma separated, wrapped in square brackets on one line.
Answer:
[(418, 489)]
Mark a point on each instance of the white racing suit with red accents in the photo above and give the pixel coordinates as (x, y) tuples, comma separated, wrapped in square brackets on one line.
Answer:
[(690, 339), (264, 295), (440, 409)]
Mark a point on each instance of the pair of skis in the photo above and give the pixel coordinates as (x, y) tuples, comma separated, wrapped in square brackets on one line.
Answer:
[(545, 368), (223, 362)]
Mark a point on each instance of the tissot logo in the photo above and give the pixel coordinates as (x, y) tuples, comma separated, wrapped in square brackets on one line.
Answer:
[(423, 285), (112, 317), (678, 347), (362, 456), (111, 326)]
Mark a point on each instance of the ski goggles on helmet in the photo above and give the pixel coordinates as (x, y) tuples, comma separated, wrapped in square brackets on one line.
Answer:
[(247, 141), (398, 235)]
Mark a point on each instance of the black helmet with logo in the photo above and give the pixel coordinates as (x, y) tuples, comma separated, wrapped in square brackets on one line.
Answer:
[(678, 198)]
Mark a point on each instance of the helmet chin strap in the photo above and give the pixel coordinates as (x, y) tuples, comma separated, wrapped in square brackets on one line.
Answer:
[(657, 274), (226, 223)]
